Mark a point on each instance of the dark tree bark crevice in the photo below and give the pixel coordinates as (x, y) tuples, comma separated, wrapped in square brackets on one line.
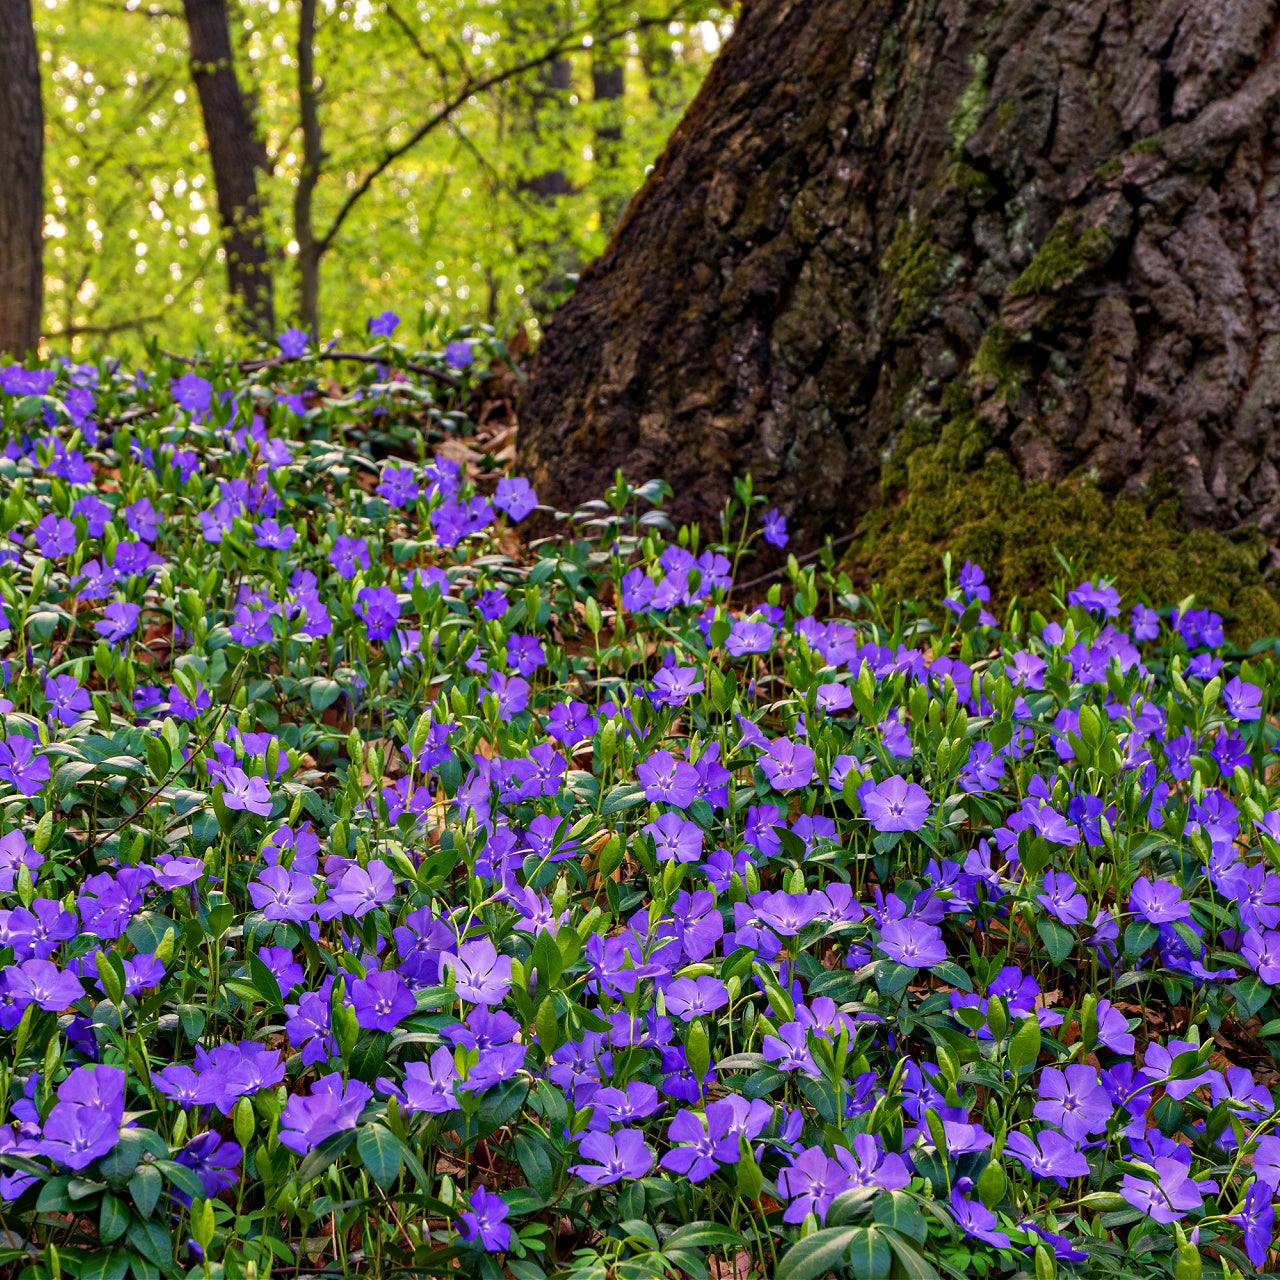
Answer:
[(21, 181), (235, 154), (1039, 226)]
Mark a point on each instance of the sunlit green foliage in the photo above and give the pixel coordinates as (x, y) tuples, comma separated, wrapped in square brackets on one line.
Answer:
[(459, 222)]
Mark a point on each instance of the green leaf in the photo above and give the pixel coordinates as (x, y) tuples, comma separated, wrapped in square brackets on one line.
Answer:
[(380, 1152), (1251, 994), (899, 1211), (1024, 1047), (1057, 940), (113, 1218), (322, 1156), (145, 1187), (701, 1235), (869, 1255), (1139, 936), (853, 1207), (265, 981), (622, 797), (817, 1254)]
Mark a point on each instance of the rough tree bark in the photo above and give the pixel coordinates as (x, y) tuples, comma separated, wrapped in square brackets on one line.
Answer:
[(235, 154), (21, 181), (1050, 227)]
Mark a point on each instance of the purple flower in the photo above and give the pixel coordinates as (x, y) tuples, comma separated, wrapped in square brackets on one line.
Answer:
[(272, 536), (332, 1107), (213, 1161), (1171, 1196), (1158, 903), (399, 486), (515, 496), (192, 393), (1061, 900), (428, 1086), (243, 792), (894, 804), (1257, 1218), (689, 998), (1100, 598), (615, 1157), (974, 1218), (56, 536), (42, 983), (788, 766), (481, 975), (913, 943), (348, 555), (458, 353), (85, 1122), (1074, 1100), (383, 325), (775, 528), (668, 780), (484, 1221), (118, 620), (382, 1001), (293, 343), (380, 609), (360, 890), (675, 838), (20, 766), (1055, 1157), (1243, 700), (813, 1180), (281, 894)]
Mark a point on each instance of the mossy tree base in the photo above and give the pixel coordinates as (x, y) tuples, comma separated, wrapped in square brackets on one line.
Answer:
[(1017, 530)]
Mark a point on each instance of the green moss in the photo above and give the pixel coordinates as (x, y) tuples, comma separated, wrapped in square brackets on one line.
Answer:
[(1068, 253), (968, 113), (1012, 530), (915, 263), (992, 368)]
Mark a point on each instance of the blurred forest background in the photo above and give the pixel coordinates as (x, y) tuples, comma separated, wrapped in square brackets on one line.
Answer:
[(466, 155)]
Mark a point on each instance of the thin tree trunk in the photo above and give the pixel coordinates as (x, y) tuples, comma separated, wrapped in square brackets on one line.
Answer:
[(309, 248), (608, 88), (1045, 227), (21, 181), (235, 154)]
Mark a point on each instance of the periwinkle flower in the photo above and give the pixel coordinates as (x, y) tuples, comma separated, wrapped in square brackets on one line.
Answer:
[(380, 609), (119, 620), (894, 804), (609, 1158), (333, 1105)]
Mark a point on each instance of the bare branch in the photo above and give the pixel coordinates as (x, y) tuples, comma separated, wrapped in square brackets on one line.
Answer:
[(472, 87)]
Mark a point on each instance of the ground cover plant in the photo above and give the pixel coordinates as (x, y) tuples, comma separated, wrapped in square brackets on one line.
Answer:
[(385, 892)]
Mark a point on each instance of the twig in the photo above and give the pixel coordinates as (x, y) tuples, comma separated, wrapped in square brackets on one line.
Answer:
[(358, 357)]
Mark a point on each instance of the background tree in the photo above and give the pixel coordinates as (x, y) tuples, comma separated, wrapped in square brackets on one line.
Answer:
[(21, 180), (1031, 226), (235, 154)]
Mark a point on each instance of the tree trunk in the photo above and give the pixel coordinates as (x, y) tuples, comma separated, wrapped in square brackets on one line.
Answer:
[(1049, 227), (21, 181), (235, 155), (310, 250)]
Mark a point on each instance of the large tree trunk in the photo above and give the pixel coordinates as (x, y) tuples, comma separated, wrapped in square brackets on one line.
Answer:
[(235, 154), (21, 181), (1050, 227)]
